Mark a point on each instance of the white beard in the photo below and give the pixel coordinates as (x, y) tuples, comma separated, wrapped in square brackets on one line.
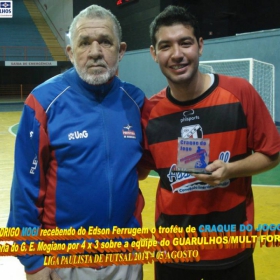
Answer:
[(96, 78)]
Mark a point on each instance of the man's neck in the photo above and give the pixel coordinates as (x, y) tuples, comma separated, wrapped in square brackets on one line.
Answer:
[(192, 90)]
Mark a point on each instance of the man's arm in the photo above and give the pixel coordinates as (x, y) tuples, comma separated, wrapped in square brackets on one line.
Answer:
[(44, 274), (142, 173), (27, 194), (251, 165)]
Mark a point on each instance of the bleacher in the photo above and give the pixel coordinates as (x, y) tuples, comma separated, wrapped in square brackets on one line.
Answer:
[(26, 37), (20, 39)]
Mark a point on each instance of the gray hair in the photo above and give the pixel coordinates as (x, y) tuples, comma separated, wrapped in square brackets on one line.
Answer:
[(95, 11)]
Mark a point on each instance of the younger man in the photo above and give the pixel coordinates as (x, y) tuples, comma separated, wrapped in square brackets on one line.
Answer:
[(243, 142)]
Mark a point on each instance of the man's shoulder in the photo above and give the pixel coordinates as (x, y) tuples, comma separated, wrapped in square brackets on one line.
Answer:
[(49, 90), (133, 92), (158, 96), (56, 82), (237, 86), (232, 81), (153, 101), (130, 87)]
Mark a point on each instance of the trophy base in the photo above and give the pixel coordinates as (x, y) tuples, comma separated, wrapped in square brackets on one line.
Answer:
[(191, 170)]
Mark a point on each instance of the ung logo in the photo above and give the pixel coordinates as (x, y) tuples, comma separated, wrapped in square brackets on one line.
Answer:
[(77, 135)]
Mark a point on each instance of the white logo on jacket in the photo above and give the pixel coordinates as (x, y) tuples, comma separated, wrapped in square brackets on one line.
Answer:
[(34, 165), (77, 135), (128, 132)]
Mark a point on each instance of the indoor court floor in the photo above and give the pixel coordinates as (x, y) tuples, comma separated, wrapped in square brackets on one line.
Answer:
[(266, 190)]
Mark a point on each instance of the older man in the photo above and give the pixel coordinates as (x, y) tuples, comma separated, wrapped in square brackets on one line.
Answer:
[(77, 147)]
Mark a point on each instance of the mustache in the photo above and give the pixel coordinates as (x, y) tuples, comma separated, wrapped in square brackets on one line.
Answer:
[(99, 62)]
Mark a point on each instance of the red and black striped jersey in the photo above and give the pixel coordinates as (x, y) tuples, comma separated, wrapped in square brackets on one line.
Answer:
[(235, 119)]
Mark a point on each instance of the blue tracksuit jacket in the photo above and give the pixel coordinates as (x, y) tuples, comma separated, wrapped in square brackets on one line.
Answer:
[(76, 152)]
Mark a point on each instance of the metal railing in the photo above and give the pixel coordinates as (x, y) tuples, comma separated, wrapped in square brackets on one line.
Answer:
[(15, 91), (25, 53)]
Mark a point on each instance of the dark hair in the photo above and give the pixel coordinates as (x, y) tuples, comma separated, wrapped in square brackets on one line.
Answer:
[(173, 15)]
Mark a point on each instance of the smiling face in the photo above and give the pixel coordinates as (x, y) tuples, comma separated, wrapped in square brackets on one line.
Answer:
[(177, 53), (95, 50)]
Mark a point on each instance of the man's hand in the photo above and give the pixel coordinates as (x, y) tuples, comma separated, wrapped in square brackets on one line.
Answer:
[(220, 173), (249, 166), (44, 274)]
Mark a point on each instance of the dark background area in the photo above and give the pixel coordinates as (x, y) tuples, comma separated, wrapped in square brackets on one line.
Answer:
[(217, 18), (134, 17), (30, 75)]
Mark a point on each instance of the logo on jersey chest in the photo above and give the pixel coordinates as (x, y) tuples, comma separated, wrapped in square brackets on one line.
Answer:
[(192, 131), (128, 132), (189, 116)]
